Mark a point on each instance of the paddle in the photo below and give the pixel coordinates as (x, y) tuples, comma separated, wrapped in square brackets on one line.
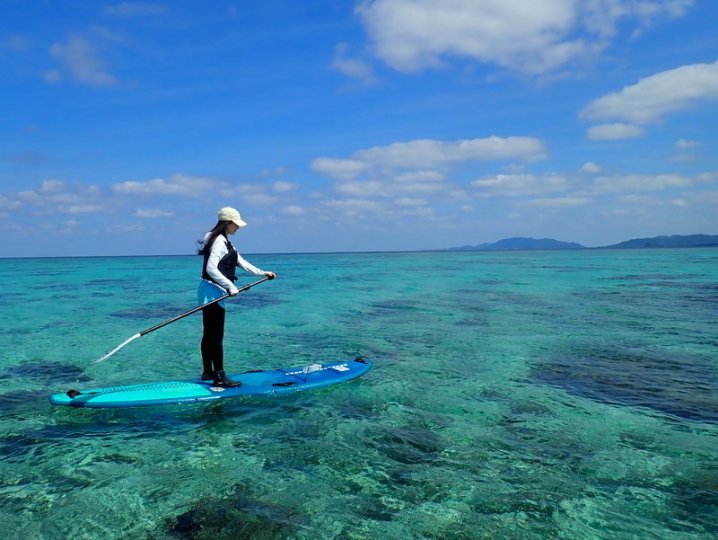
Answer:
[(177, 318)]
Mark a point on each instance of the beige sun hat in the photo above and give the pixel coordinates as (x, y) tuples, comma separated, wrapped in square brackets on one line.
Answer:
[(230, 214)]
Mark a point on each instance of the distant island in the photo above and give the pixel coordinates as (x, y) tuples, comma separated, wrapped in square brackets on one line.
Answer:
[(522, 243), (692, 240)]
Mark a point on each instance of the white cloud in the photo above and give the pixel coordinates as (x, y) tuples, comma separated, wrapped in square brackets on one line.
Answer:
[(528, 36), (153, 214), (406, 201), (352, 207), (639, 182), (283, 187), (293, 210), (260, 199), (411, 171), (342, 169), (517, 185), (559, 202), (81, 208), (353, 68), (427, 154), (7, 204), (370, 188), (683, 150), (637, 199), (425, 212), (590, 168), (259, 194), (51, 186), (602, 16), (134, 9), (614, 132), (420, 176), (424, 188), (56, 197), (80, 57), (178, 184), (651, 98), (685, 144)]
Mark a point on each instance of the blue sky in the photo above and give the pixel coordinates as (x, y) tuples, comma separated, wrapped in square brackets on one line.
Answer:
[(354, 125)]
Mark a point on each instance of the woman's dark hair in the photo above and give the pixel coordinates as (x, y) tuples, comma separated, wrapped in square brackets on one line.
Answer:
[(204, 247)]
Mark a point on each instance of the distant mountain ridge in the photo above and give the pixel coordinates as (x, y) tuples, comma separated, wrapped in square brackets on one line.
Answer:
[(526, 243), (520, 243), (675, 240)]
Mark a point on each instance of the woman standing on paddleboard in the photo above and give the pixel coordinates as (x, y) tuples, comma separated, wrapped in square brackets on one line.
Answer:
[(218, 274)]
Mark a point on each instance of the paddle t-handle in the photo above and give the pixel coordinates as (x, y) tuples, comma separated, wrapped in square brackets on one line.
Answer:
[(178, 317)]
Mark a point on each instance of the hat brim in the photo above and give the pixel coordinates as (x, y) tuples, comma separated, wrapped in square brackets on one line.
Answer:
[(239, 222)]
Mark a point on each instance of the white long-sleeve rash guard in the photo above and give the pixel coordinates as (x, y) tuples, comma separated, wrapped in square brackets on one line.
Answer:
[(219, 250)]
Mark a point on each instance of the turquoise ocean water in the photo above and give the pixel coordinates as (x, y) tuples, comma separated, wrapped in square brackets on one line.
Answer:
[(514, 395)]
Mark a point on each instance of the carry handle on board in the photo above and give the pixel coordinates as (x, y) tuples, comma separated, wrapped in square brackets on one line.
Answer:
[(177, 318)]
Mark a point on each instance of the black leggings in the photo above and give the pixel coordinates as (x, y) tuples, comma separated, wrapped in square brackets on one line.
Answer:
[(212, 349)]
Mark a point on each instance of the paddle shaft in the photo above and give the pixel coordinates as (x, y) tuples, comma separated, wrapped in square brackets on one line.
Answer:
[(178, 317)]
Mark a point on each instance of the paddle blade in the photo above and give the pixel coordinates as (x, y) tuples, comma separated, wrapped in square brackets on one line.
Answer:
[(113, 351)]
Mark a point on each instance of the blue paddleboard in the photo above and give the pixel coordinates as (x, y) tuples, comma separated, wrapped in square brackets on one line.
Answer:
[(254, 383)]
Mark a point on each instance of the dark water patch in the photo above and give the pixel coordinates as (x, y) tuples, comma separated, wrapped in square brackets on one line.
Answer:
[(33, 443), (18, 402), (153, 311), (83, 427), (525, 504), (370, 507), (17, 331), (416, 484), (118, 459), (10, 298), (517, 514), (394, 306), (358, 407), (242, 515), (703, 293), (638, 441), (45, 372), (299, 445), (492, 282), (294, 458), (471, 309), (106, 282), (540, 450), (679, 385), (694, 501), (253, 300), (493, 394), (514, 502), (43, 272), (349, 278), (700, 292), (410, 445), (665, 278), (474, 322), (528, 408), (424, 419)]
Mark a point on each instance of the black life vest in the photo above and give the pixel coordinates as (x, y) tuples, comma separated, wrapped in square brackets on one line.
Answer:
[(227, 265)]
